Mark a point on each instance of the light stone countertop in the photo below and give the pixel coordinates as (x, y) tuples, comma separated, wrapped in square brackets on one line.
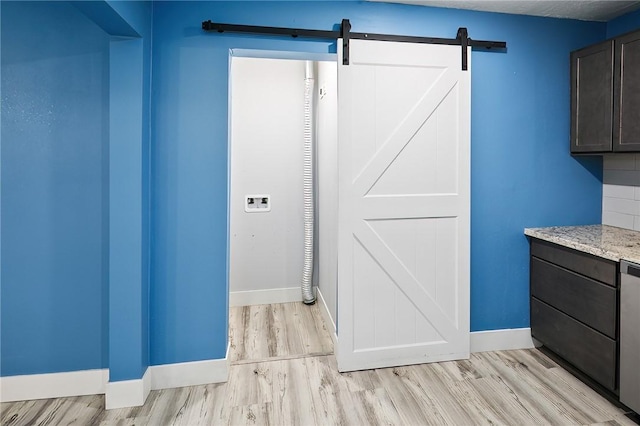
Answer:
[(604, 241)]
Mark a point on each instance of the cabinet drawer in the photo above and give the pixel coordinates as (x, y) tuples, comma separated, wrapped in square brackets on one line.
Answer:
[(583, 263), (585, 348), (586, 300)]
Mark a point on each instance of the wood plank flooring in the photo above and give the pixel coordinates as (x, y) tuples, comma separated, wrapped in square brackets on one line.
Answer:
[(292, 385), (277, 331)]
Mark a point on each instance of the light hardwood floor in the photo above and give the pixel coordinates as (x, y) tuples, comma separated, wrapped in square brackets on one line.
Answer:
[(293, 384), (278, 331)]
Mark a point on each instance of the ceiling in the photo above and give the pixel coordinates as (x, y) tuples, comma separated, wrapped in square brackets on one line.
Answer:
[(586, 10)]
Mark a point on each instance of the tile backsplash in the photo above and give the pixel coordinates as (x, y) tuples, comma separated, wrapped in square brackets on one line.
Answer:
[(621, 191)]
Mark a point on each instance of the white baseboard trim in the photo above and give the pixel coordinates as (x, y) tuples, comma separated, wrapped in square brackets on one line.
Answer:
[(264, 297), (326, 316), (53, 385), (128, 393), (190, 373), (501, 340)]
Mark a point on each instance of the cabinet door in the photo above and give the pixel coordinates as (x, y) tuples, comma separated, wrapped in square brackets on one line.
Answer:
[(592, 98), (626, 131)]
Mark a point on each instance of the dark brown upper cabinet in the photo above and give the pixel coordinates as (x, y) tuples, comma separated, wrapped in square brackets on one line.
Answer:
[(605, 96), (592, 98), (626, 109)]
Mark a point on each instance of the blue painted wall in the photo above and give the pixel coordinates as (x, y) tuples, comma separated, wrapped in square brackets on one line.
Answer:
[(129, 148), (75, 187), (54, 158), (55, 89), (130, 185), (139, 15), (136, 58), (128, 359), (623, 24), (522, 173)]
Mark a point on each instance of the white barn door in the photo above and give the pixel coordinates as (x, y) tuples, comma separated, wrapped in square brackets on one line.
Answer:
[(404, 205)]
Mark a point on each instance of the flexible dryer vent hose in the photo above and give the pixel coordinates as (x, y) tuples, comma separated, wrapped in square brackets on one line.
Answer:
[(307, 272)]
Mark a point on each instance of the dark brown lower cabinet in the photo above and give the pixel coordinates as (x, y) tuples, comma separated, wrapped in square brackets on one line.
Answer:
[(574, 309)]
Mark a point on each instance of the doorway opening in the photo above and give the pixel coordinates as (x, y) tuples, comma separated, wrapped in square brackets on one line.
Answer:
[(267, 318)]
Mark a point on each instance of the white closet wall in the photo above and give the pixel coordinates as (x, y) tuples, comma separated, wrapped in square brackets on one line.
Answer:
[(327, 182), (266, 158)]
